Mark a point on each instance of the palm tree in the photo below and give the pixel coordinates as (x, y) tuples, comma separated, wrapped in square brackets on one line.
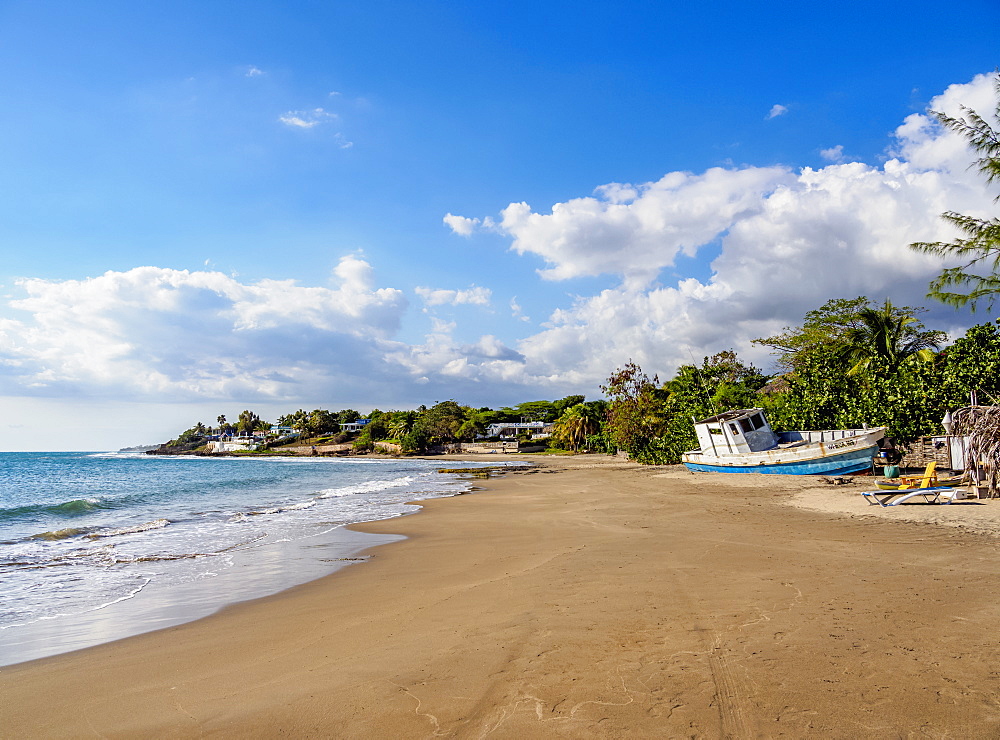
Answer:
[(979, 248), (575, 425), (888, 336), (401, 424)]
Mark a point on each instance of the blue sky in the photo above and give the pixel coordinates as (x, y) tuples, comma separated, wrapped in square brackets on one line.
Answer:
[(211, 206)]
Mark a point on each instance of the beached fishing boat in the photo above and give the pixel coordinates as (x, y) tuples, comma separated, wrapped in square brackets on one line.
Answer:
[(742, 441)]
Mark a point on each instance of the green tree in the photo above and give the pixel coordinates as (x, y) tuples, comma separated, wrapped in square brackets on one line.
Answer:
[(189, 436), (886, 339), (298, 420), (829, 327), (416, 440), (972, 363), (635, 413), (401, 423), (441, 422), (576, 424), (314, 423), (979, 248), (347, 416), (536, 411), (248, 422), (567, 403), (888, 386), (722, 382), (476, 421), (378, 428)]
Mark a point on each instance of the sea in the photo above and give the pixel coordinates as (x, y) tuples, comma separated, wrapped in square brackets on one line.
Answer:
[(96, 546)]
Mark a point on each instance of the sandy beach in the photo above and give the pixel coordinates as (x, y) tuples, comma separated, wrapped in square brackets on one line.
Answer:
[(591, 598)]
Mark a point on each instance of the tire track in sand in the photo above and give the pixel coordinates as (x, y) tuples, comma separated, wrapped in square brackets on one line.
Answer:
[(730, 693)]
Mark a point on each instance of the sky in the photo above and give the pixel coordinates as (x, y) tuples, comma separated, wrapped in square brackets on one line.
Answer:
[(212, 206)]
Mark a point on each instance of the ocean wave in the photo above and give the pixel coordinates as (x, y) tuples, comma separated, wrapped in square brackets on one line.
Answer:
[(369, 487), (157, 524), (75, 507), (281, 509), (61, 534), (247, 515)]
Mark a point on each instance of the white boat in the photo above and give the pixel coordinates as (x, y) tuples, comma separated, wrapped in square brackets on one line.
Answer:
[(742, 441)]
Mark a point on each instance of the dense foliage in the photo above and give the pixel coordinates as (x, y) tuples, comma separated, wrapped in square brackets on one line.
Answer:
[(852, 362)]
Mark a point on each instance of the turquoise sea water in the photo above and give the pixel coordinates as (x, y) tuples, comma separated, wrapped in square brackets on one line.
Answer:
[(99, 546)]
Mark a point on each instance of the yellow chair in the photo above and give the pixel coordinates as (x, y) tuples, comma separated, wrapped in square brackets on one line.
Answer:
[(928, 479)]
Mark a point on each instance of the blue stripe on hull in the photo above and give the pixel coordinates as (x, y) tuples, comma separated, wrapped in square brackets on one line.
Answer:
[(848, 462)]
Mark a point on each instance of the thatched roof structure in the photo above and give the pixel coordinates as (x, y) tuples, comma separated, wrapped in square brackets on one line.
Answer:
[(981, 425)]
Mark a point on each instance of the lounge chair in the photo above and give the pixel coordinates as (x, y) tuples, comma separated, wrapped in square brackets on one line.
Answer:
[(939, 495), (927, 480)]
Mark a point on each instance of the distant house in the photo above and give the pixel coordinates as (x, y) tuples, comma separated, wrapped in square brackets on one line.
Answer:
[(235, 444), (512, 430), (355, 426)]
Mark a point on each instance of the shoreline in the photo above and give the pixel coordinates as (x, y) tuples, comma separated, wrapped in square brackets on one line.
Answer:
[(257, 573), (606, 599)]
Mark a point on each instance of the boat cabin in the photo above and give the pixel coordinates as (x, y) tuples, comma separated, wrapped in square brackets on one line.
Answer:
[(732, 432)]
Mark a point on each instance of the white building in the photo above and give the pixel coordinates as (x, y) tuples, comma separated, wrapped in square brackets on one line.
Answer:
[(513, 429), (235, 444)]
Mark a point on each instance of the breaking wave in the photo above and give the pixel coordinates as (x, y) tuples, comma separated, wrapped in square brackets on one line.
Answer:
[(76, 507), (157, 524), (367, 487)]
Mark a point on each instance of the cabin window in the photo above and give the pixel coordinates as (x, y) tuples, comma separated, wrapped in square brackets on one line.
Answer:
[(747, 426), (734, 429), (715, 430), (757, 420)]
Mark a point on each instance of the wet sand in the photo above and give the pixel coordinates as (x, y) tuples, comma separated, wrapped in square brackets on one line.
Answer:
[(593, 598)]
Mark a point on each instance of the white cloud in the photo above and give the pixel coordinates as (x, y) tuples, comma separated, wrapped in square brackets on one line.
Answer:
[(461, 225), (833, 154), (776, 110), (474, 295), (787, 242), (516, 310), (156, 332), (467, 226), (307, 118), (637, 230), (253, 71)]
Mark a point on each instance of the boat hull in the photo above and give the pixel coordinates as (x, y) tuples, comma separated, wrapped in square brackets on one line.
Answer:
[(850, 455)]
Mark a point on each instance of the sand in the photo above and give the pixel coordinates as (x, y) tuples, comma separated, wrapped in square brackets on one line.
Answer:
[(593, 598)]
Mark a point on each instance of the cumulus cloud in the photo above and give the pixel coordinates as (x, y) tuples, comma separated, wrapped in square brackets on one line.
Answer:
[(474, 295), (637, 230), (155, 332), (784, 242), (467, 226), (461, 225), (788, 241), (307, 118), (776, 110), (833, 154)]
